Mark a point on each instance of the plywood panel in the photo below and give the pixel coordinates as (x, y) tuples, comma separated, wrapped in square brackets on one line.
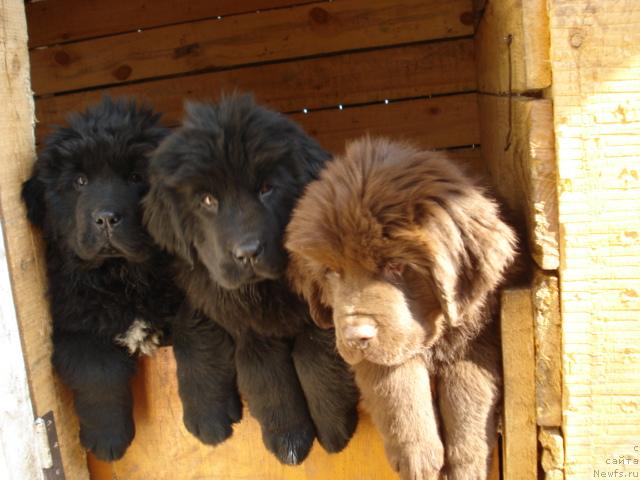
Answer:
[(351, 78), (512, 42), (164, 450), (245, 39), (437, 122), (520, 443), (25, 262), (595, 60), (56, 21), (517, 139)]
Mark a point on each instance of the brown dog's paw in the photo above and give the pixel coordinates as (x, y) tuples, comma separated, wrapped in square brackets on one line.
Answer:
[(417, 464)]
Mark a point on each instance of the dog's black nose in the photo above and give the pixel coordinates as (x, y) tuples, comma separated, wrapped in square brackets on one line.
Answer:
[(247, 251), (106, 219)]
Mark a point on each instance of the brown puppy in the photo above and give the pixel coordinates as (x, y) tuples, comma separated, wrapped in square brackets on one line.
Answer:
[(403, 254)]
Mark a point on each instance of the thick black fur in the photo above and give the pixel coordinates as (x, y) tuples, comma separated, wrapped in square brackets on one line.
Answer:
[(222, 190), (103, 269)]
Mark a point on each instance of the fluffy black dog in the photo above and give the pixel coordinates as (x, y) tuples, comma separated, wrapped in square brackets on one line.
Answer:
[(222, 190), (111, 291)]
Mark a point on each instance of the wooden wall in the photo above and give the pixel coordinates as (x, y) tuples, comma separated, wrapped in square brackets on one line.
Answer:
[(595, 60), (404, 68)]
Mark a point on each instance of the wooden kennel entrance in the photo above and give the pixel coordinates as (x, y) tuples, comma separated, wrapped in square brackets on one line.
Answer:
[(538, 96)]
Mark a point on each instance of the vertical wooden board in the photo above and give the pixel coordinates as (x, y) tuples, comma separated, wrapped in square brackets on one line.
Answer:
[(548, 343), (56, 21), (245, 39), (595, 60), (25, 262), (348, 78), (163, 449), (18, 456), (520, 443), (552, 456), (517, 139), (520, 64)]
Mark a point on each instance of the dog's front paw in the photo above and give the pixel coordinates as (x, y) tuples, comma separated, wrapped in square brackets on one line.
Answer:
[(417, 463), (292, 446), (335, 433), (108, 444), (212, 423)]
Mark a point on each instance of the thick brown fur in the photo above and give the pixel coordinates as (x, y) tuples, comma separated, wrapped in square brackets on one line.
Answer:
[(403, 254)]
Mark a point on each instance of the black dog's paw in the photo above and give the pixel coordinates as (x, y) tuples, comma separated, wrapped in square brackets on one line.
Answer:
[(290, 447), (335, 435), (213, 424), (234, 408), (107, 444)]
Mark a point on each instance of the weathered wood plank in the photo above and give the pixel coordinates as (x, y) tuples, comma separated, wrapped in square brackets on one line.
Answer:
[(595, 47), (525, 57), (56, 21), (548, 342), (438, 122), (520, 443), (352, 78), (245, 39), (159, 428), (519, 153), (25, 263), (552, 457)]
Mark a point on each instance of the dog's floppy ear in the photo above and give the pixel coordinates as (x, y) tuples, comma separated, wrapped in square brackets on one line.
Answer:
[(302, 279), (466, 248), (164, 222), (321, 314), (33, 197)]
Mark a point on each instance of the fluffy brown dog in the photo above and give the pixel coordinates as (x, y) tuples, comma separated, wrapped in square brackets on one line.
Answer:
[(403, 254)]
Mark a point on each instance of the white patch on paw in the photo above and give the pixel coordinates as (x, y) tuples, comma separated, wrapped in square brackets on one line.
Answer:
[(141, 337)]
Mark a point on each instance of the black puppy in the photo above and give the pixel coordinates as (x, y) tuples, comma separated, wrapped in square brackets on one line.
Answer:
[(222, 190), (110, 290)]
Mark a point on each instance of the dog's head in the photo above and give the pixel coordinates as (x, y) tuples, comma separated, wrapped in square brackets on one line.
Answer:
[(393, 246), (223, 187), (89, 179)]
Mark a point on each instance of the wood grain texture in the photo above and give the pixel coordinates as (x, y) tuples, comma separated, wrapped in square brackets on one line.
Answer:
[(526, 59), (24, 257), (595, 60), (548, 343), (519, 154), (552, 456), (245, 39), (56, 21), (437, 122), (520, 443), (350, 78), (164, 450)]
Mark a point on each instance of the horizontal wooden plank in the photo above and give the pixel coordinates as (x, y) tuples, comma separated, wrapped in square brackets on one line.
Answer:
[(518, 146), (361, 77), (164, 449), (56, 21), (438, 122), (525, 58), (246, 39)]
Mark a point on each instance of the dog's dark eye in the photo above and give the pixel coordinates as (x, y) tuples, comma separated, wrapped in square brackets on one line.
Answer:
[(265, 190), (80, 180), (135, 178), (209, 202)]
